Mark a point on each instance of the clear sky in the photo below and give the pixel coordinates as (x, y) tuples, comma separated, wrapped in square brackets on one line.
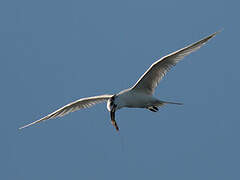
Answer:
[(53, 52)]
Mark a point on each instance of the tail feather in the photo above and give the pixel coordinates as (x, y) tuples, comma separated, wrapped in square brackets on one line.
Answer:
[(161, 103)]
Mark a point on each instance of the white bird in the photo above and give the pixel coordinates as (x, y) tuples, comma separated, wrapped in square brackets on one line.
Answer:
[(138, 96)]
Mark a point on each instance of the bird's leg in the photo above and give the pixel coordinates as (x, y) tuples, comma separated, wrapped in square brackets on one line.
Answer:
[(114, 123), (153, 108)]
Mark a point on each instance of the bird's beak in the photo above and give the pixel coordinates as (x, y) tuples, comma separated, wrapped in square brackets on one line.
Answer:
[(112, 114)]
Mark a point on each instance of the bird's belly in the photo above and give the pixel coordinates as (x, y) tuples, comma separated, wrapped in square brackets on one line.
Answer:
[(138, 102)]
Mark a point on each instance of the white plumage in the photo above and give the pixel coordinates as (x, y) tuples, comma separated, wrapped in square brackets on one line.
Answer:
[(140, 95)]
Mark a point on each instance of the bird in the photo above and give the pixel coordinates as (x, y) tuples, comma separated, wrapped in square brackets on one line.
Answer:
[(140, 95)]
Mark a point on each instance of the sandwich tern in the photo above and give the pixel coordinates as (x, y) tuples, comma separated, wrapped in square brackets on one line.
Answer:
[(138, 96)]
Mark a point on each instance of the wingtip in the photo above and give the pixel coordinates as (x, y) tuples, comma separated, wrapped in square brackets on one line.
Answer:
[(204, 40), (214, 34), (26, 125), (22, 127)]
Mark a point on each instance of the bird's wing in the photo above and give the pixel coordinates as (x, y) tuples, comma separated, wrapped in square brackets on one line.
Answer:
[(74, 106), (150, 79)]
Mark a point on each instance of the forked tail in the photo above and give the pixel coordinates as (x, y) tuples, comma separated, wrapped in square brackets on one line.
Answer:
[(161, 103)]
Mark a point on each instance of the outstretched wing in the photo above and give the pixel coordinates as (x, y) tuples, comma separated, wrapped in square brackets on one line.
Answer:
[(150, 79), (74, 106)]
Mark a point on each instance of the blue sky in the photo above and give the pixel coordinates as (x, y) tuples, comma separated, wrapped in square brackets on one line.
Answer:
[(54, 52)]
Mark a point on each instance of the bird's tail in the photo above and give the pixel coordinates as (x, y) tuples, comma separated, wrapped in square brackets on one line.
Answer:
[(161, 103)]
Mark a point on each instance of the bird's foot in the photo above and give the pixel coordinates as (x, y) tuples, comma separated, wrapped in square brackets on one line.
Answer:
[(153, 108)]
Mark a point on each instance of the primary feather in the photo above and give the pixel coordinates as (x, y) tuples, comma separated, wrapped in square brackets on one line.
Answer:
[(74, 106), (150, 79)]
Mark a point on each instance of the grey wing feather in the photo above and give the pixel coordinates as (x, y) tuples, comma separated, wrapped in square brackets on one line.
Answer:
[(71, 107), (150, 79)]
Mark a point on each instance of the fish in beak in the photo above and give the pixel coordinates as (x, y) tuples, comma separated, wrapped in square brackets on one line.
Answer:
[(112, 114)]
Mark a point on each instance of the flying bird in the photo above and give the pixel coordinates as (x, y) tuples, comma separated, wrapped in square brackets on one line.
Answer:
[(138, 96)]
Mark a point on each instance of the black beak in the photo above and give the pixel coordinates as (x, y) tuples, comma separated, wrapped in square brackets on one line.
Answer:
[(114, 123)]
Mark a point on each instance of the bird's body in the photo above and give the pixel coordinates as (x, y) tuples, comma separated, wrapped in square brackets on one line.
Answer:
[(132, 99), (138, 96)]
